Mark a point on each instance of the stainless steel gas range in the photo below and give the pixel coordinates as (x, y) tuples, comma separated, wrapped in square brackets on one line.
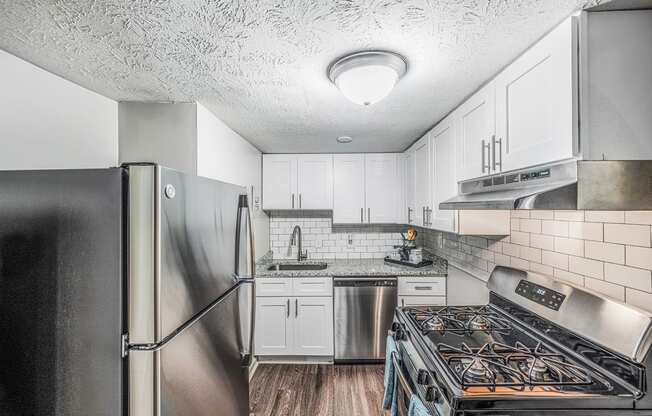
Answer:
[(540, 347)]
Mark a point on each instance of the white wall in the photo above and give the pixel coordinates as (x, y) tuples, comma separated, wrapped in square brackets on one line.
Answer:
[(224, 155), (47, 122)]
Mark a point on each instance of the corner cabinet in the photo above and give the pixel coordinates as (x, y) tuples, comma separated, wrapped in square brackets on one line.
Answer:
[(536, 103), (297, 181), (443, 146), (294, 317)]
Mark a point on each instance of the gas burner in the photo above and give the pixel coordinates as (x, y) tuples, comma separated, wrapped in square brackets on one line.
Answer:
[(482, 367), (542, 367), (459, 320)]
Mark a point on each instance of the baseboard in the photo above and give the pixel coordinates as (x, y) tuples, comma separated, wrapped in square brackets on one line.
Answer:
[(294, 359), (253, 367)]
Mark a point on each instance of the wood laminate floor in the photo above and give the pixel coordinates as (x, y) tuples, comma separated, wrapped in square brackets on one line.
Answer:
[(317, 390)]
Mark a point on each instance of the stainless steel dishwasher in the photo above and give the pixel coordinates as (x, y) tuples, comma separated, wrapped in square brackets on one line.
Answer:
[(364, 309)]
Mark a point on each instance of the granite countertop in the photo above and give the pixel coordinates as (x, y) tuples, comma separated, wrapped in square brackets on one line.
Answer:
[(353, 267)]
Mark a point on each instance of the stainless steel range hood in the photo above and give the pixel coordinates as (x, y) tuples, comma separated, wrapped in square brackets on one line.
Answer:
[(591, 185)]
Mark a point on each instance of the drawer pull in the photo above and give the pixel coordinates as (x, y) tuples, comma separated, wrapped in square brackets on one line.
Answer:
[(422, 287)]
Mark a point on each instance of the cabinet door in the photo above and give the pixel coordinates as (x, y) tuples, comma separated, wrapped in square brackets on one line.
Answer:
[(409, 183), (348, 188), (280, 182), (313, 325), (442, 143), (381, 185), (273, 330), (422, 181), (477, 127), (534, 103), (315, 182)]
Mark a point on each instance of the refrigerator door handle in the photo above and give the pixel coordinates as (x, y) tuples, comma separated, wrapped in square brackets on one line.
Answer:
[(243, 207)]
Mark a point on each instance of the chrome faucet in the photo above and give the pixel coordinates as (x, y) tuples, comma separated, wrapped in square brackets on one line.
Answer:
[(293, 241)]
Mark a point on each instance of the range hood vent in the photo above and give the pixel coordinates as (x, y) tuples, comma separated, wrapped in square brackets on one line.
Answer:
[(590, 185)]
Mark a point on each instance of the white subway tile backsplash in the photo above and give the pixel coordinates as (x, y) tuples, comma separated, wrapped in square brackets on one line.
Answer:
[(570, 277), (586, 230), (606, 251), (639, 257), (556, 260), (614, 253), (637, 298), (638, 217), (541, 214), (635, 235), (605, 216), (586, 267), (545, 242), (606, 288), (571, 246), (569, 215), (556, 228), (628, 276)]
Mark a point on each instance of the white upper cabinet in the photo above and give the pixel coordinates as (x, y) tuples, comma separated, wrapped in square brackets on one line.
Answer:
[(535, 113), (280, 182), (382, 188), (408, 187), (315, 181), (443, 139), (422, 181), (297, 181), (348, 189), (476, 129)]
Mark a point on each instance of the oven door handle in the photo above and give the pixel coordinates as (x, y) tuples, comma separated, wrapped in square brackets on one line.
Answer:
[(401, 376)]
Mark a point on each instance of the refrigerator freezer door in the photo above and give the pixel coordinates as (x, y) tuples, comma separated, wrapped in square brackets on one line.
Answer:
[(198, 244), (60, 292)]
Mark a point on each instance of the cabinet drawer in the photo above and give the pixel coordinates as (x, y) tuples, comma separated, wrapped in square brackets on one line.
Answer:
[(274, 286), (422, 301), (421, 286), (313, 286)]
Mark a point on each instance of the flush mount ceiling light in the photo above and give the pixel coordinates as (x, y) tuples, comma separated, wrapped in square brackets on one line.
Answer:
[(367, 77), (344, 139)]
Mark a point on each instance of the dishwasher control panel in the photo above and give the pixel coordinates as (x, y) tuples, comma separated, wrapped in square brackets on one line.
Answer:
[(363, 282)]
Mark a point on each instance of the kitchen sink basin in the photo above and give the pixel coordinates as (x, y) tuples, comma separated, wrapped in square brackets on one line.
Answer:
[(297, 266)]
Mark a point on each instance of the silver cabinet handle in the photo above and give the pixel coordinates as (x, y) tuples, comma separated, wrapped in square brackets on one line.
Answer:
[(486, 166), (500, 153), (296, 308), (402, 302), (369, 215), (293, 200), (409, 215), (423, 216), (288, 309), (300, 201), (362, 215), (422, 287)]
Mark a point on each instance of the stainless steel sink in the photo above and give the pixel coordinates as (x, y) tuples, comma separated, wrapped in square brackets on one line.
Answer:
[(297, 266)]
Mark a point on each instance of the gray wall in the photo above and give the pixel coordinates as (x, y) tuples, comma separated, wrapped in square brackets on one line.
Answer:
[(618, 110), (164, 133)]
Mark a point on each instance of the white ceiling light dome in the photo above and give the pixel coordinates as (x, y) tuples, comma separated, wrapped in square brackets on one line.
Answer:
[(367, 77)]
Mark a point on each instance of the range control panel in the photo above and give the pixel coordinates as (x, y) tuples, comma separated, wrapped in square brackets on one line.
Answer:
[(541, 295)]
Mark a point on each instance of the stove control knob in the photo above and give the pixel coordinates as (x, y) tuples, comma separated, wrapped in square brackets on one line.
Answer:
[(432, 394), (423, 377), (395, 326)]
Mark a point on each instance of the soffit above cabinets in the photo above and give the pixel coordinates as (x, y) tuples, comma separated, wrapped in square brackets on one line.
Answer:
[(260, 65)]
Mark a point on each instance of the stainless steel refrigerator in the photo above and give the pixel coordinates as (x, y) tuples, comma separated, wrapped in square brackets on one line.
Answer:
[(124, 291)]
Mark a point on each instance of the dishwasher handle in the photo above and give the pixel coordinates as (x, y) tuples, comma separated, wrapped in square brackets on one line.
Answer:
[(364, 281)]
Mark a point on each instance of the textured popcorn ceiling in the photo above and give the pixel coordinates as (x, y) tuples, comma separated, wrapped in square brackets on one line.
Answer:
[(260, 65)]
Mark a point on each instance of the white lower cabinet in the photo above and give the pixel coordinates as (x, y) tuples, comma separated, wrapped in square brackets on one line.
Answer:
[(313, 326), (298, 322), (274, 329)]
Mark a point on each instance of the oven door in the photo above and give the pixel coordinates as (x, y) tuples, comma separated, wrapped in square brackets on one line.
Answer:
[(403, 387)]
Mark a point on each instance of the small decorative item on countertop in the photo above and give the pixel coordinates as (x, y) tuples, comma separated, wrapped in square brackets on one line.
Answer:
[(408, 254)]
